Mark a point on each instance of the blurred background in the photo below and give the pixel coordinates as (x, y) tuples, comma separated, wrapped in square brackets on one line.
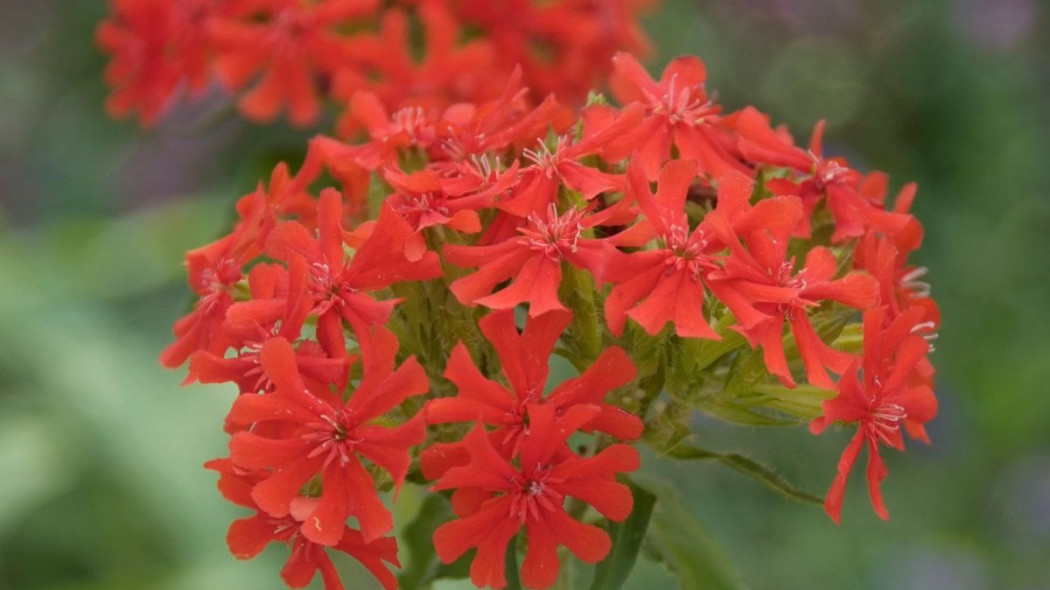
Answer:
[(101, 485)]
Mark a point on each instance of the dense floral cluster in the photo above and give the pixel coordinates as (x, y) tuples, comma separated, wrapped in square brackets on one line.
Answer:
[(289, 54), (402, 323)]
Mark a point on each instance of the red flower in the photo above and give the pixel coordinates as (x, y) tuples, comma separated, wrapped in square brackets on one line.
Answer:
[(678, 113), (532, 261), (338, 286), (448, 70), (247, 537), (532, 497), (666, 284), (212, 272), (845, 192), (564, 46), (763, 289), (325, 434), (759, 142), (422, 202), (524, 358), (890, 394), (269, 313), (291, 42), (155, 46), (469, 130), (551, 169)]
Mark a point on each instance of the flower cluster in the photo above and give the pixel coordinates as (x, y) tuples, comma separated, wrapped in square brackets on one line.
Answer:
[(678, 256), (289, 54)]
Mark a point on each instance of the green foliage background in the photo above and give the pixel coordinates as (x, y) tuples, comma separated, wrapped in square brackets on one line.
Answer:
[(100, 450)]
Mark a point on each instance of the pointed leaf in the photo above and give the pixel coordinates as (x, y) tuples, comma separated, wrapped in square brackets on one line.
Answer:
[(627, 537), (748, 467)]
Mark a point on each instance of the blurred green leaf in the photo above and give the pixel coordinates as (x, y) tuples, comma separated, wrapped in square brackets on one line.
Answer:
[(627, 537), (32, 465), (684, 545), (422, 561)]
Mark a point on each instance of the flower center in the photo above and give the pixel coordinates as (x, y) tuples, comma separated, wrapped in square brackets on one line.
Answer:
[(787, 278), (544, 158), (687, 105), (886, 420), (687, 251), (535, 494), (831, 172), (411, 121), (333, 436), (553, 235)]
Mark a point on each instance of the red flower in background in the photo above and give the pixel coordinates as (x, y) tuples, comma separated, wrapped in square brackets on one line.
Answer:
[(247, 537), (156, 47), (292, 44), (532, 497), (448, 70), (890, 394), (290, 54)]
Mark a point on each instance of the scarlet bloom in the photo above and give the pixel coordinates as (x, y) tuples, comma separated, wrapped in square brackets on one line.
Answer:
[(532, 261), (764, 289), (563, 46), (524, 358), (678, 113), (667, 283), (323, 433), (338, 285), (269, 313), (552, 168), (292, 43), (890, 394), (155, 46), (532, 496), (846, 193), (447, 70), (247, 537), (212, 272), (422, 201)]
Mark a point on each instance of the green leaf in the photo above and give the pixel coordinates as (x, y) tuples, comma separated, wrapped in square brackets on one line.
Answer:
[(422, 558), (748, 467), (739, 414), (748, 370), (627, 537), (683, 544)]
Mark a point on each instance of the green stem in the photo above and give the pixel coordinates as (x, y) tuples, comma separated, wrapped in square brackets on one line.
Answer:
[(511, 565)]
